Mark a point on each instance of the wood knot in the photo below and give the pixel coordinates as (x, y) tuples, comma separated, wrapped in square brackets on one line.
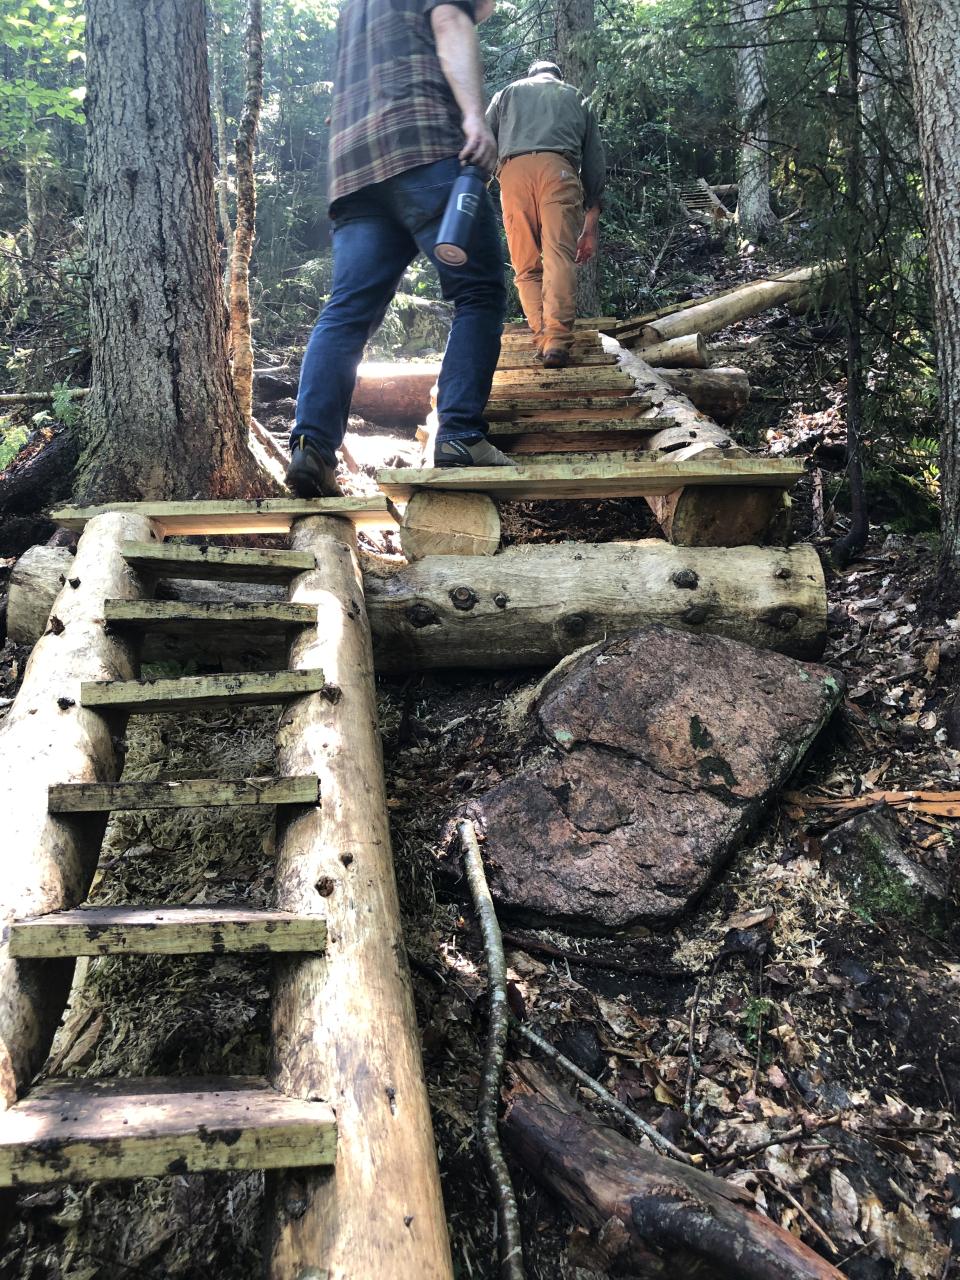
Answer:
[(421, 615), (463, 598), (325, 886), (500, 600), (685, 578), (783, 572), (575, 624)]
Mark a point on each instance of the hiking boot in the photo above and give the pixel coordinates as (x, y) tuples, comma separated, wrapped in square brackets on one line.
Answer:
[(309, 475), (556, 358), (475, 451)]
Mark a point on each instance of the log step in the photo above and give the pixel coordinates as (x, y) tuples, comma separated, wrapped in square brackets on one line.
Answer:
[(570, 406), (614, 475), (540, 384), (225, 564), (519, 358), (162, 615), (181, 793), (582, 338), (168, 931), (79, 1130), (266, 515), (191, 692)]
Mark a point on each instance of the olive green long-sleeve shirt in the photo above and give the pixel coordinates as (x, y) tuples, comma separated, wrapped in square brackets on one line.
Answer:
[(542, 113)]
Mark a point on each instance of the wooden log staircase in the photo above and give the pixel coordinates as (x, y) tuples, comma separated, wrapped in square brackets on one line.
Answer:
[(346, 1089), (337, 1080)]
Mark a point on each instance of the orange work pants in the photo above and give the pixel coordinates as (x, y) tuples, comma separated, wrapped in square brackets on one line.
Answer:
[(543, 215)]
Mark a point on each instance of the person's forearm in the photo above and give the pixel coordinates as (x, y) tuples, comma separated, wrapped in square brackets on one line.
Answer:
[(459, 52), (591, 218)]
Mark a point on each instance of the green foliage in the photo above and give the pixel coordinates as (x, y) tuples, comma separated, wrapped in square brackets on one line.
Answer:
[(12, 439), (43, 46)]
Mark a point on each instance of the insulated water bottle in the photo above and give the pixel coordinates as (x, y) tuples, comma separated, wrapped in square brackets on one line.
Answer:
[(460, 215)]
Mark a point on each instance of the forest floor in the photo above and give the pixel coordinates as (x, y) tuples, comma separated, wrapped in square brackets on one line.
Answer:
[(794, 998)]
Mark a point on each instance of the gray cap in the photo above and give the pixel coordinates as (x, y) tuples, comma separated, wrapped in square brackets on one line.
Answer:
[(542, 68)]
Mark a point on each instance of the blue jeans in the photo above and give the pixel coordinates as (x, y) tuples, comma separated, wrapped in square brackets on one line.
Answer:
[(377, 232)]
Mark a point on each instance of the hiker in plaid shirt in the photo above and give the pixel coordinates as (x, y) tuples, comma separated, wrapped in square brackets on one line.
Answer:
[(408, 110)]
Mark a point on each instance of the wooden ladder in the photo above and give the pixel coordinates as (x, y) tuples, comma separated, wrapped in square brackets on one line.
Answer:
[(74, 1130)]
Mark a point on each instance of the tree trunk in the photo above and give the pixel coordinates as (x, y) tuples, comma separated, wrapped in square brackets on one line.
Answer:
[(532, 605), (933, 48), (220, 120), (845, 548), (575, 25), (344, 1026), (671, 1221), (748, 300), (241, 341), (162, 418), (722, 393), (528, 606), (757, 220)]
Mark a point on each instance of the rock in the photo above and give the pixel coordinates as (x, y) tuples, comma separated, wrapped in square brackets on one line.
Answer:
[(657, 754), (866, 856)]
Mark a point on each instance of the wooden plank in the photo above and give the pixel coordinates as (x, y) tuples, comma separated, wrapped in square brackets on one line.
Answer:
[(181, 793), (190, 692), (579, 418), (577, 380), (77, 1130), (576, 428), (170, 615), (580, 358), (601, 476), (603, 323), (266, 515), (528, 441), (528, 406), (524, 341), (227, 564), (168, 931)]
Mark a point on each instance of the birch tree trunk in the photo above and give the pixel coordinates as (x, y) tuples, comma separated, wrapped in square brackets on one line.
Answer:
[(241, 342), (576, 22), (933, 50), (162, 418), (757, 220)]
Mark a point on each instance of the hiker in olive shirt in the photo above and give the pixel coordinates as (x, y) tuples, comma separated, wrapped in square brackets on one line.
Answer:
[(551, 172)]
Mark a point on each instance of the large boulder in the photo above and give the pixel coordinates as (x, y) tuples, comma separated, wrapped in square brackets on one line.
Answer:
[(657, 754)]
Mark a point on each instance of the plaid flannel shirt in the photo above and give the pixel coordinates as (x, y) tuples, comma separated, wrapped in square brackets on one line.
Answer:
[(392, 107)]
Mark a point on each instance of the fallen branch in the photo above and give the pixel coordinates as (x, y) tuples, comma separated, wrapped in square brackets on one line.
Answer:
[(511, 1246), (648, 1131), (533, 946), (669, 1219), (9, 399), (937, 804)]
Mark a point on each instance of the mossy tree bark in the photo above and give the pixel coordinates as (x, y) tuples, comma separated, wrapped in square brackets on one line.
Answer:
[(933, 50), (162, 418)]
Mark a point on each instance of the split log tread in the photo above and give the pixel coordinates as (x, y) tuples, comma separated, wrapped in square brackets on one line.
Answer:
[(602, 476), (573, 406), (170, 931), (181, 793), (266, 515), (582, 357), (165, 615), (225, 564), (190, 692), (79, 1130)]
